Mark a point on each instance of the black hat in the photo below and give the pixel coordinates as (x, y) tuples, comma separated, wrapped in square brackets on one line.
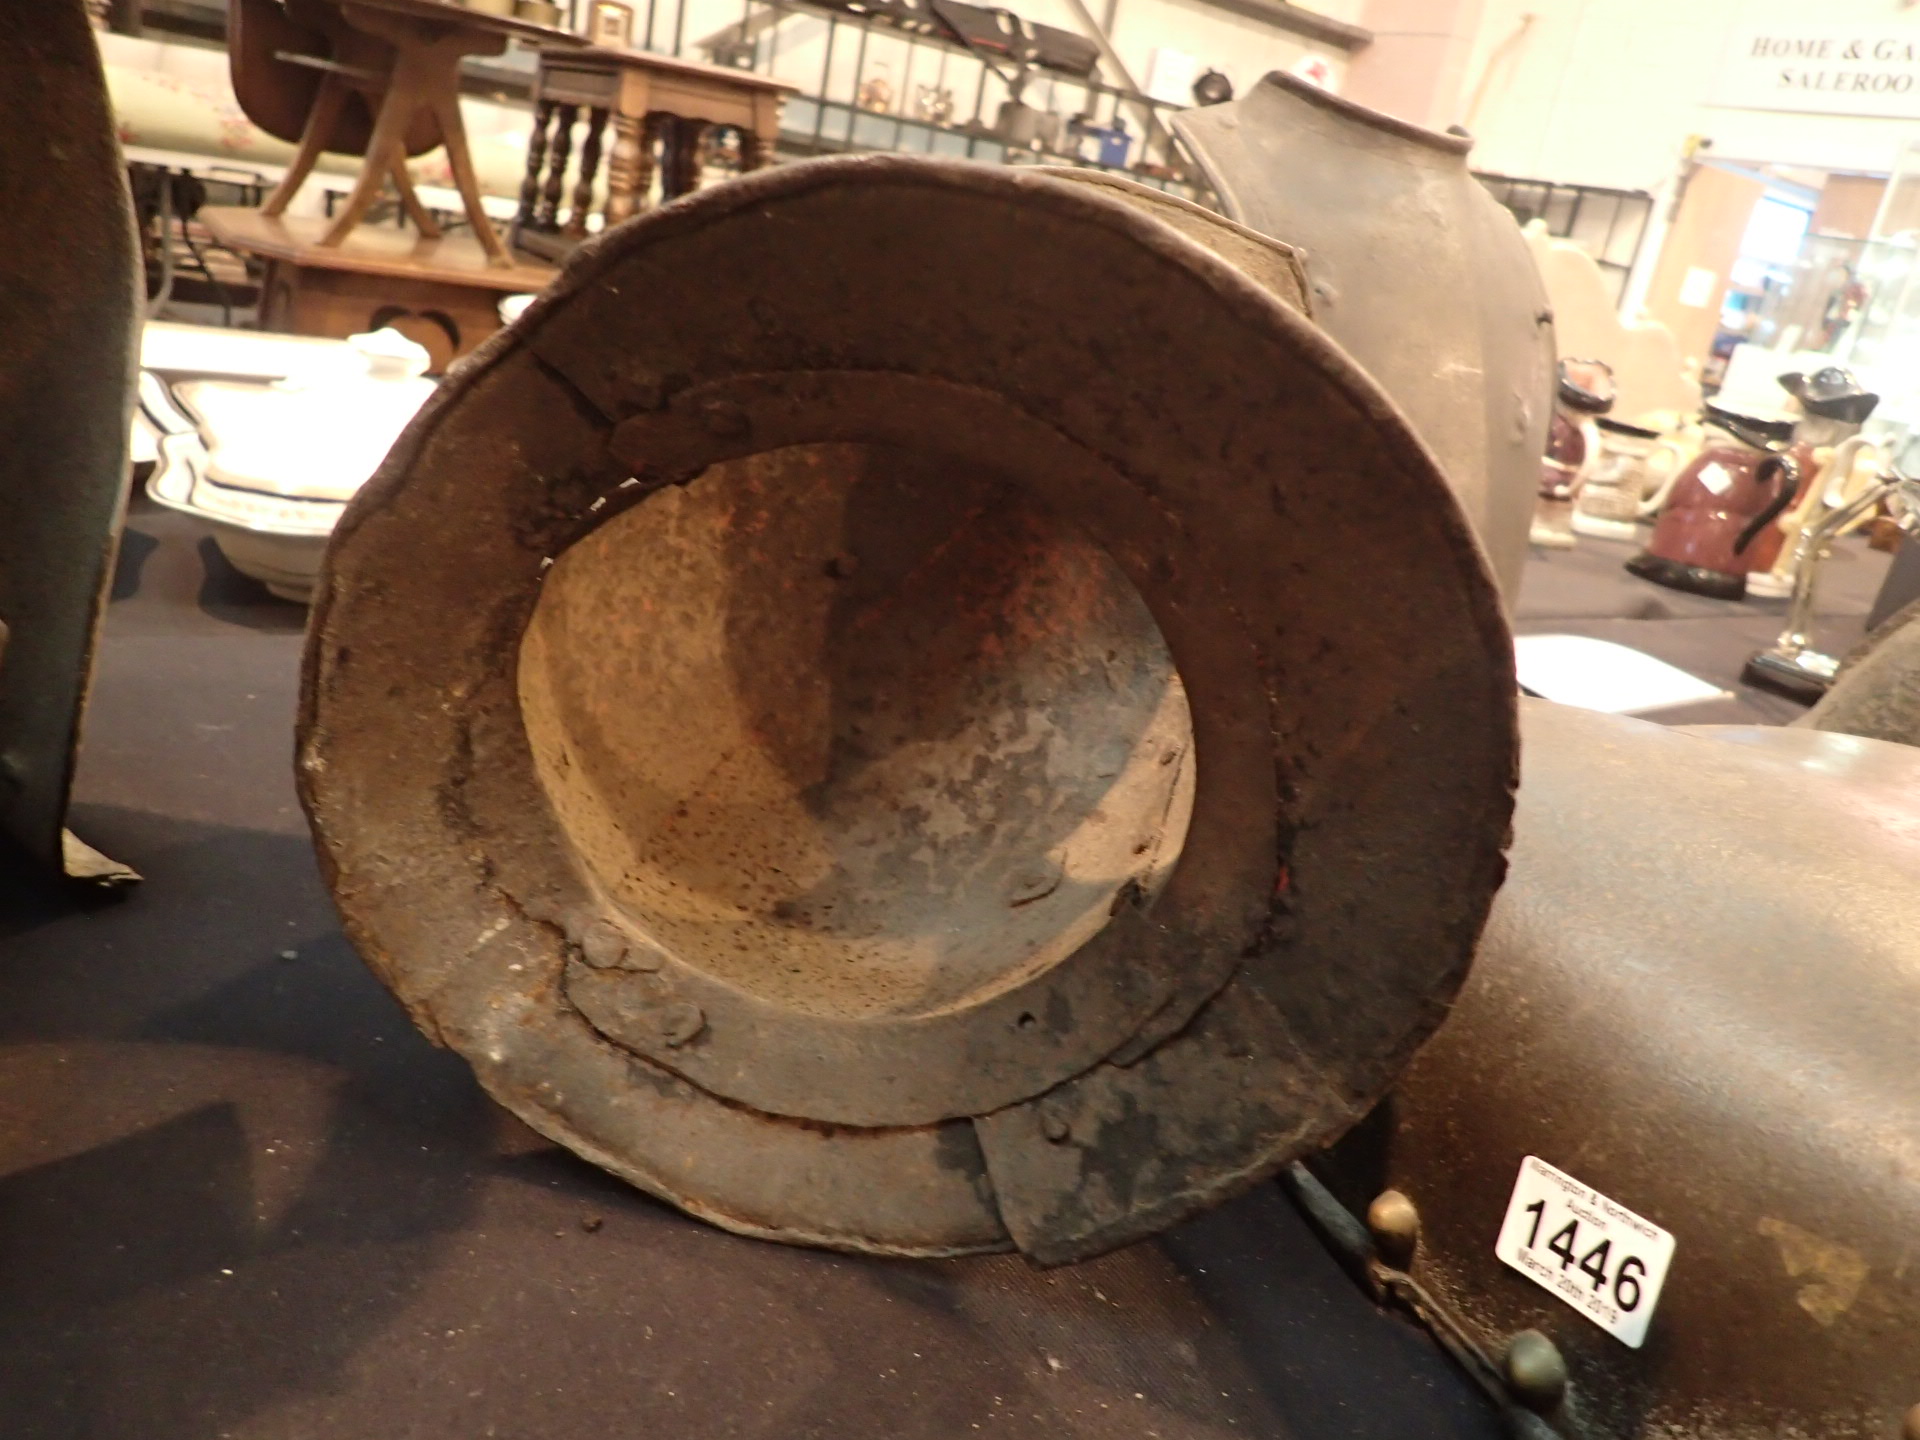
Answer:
[(1832, 394)]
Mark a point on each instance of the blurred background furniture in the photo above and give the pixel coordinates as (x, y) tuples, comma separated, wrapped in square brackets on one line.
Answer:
[(646, 100), (376, 76)]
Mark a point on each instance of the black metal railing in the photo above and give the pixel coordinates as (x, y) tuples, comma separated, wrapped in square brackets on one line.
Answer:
[(1610, 225), (933, 77)]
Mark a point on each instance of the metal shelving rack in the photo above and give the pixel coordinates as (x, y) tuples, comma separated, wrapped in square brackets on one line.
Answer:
[(828, 117)]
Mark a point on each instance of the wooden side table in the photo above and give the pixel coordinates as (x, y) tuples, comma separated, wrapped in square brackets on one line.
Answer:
[(641, 96), (443, 293)]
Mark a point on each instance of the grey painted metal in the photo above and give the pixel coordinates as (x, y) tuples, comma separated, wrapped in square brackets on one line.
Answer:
[(1697, 994), (914, 767), (68, 287), (1417, 272)]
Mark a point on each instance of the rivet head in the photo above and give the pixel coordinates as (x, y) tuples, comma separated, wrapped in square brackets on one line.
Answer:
[(1536, 1371), (681, 1022), (603, 946), (1910, 1427), (1395, 1227), (1035, 882)]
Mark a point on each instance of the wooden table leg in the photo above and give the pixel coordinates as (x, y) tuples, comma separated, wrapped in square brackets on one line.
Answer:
[(445, 102), (536, 166), (630, 170), (683, 152), (426, 76), (386, 147), (589, 172), (328, 102), (757, 143), (423, 220)]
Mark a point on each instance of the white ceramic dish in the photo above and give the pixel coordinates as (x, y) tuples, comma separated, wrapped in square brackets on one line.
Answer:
[(270, 468)]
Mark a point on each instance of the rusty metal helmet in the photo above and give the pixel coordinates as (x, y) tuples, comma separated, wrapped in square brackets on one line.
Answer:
[(913, 707)]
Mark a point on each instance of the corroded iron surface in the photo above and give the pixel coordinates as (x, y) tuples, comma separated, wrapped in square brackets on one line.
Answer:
[(1700, 986), (1415, 270), (1877, 692), (67, 309), (913, 767)]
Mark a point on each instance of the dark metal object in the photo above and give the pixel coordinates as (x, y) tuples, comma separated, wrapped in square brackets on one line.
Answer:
[(1725, 1049), (1417, 272), (1212, 88), (1877, 691), (69, 291), (1791, 665), (803, 632)]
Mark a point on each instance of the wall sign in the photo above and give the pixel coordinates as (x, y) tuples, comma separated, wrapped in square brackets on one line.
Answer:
[(1869, 69)]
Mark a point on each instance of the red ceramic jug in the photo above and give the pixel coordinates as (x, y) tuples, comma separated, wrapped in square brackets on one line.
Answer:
[(1705, 541)]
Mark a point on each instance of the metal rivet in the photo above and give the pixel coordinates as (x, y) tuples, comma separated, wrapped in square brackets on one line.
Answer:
[(1395, 1226), (1054, 1125), (1910, 1427), (1033, 884), (602, 946), (681, 1021), (1536, 1371)]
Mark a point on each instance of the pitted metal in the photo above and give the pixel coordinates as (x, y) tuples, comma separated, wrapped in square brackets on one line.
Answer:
[(1696, 995), (917, 769), (1415, 270)]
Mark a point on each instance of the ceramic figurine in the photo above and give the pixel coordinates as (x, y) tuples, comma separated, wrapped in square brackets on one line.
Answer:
[(875, 93), (1585, 392), (934, 104), (1609, 500), (1833, 408), (1680, 441), (1744, 478)]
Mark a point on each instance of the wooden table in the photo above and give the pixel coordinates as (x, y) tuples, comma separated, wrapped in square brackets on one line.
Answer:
[(646, 98), (429, 39), (444, 293)]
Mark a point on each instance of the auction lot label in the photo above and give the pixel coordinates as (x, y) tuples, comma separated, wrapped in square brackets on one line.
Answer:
[(1594, 1253)]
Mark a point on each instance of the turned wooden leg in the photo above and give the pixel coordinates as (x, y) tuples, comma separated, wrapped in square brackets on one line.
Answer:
[(630, 170), (410, 199), (756, 150), (558, 156), (445, 101), (328, 102), (386, 148), (683, 166), (536, 162), (589, 170)]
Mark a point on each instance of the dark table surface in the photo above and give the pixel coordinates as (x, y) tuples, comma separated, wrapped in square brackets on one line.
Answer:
[(1584, 591), (241, 1198)]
